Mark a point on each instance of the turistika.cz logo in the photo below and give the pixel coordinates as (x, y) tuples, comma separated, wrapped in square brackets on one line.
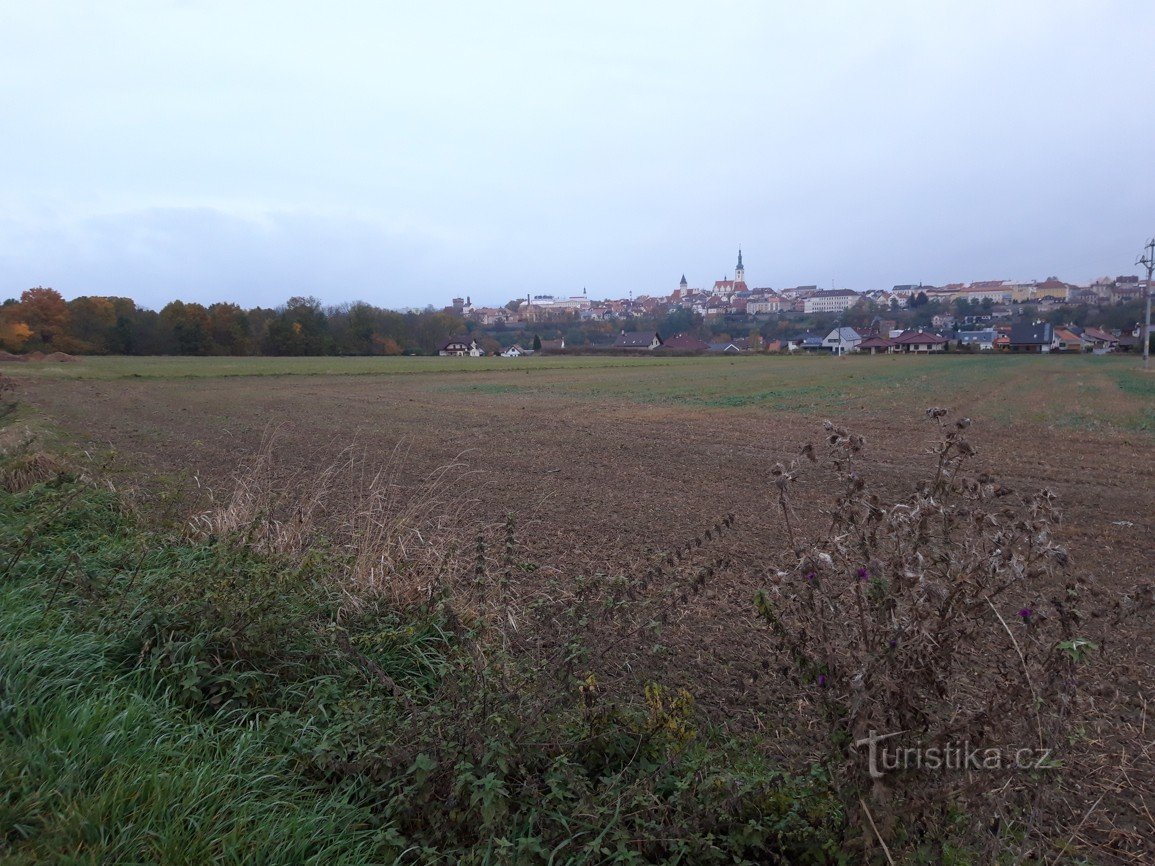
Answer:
[(883, 758)]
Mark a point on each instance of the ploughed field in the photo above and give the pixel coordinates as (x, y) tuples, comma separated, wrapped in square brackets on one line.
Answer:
[(606, 465), (564, 484)]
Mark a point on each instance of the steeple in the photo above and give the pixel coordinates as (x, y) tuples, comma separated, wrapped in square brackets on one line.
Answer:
[(683, 284), (739, 271)]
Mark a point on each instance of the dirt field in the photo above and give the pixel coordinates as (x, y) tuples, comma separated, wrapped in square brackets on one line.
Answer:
[(605, 463)]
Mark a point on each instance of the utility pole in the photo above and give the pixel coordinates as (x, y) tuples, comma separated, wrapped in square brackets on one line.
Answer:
[(1148, 261)]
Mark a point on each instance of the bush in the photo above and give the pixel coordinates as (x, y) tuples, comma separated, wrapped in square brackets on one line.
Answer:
[(941, 621)]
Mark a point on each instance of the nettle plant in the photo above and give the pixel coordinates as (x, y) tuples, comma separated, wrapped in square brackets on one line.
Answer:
[(943, 621)]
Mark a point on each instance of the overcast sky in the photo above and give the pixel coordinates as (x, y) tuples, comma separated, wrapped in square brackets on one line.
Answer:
[(405, 153)]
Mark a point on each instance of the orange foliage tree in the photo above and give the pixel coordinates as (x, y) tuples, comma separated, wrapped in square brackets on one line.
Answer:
[(45, 312), (13, 333)]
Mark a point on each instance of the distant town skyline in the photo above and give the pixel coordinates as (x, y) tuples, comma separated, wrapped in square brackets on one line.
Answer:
[(206, 151)]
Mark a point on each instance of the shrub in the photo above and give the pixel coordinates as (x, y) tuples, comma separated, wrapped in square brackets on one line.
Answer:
[(943, 620)]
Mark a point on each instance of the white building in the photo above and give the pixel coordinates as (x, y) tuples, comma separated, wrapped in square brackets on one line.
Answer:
[(830, 301), (840, 341)]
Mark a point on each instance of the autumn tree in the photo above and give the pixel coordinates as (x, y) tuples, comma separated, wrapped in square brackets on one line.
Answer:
[(45, 313), (14, 333)]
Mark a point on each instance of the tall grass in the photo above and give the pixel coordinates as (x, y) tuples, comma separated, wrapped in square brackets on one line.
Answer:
[(171, 699), (102, 765)]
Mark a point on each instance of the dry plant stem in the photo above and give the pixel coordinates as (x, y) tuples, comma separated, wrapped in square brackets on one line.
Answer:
[(874, 827), (1026, 672), (73, 562)]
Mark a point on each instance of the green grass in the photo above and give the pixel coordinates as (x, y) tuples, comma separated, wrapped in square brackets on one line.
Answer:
[(171, 367), (170, 701), (1090, 394)]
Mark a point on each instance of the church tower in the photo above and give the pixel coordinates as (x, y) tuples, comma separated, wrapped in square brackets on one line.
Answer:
[(683, 285), (739, 271)]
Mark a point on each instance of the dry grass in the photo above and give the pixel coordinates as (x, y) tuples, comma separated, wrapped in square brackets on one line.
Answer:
[(24, 463), (26, 470), (401, 538)]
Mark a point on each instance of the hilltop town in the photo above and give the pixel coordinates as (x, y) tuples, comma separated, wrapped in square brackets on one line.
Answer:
[(733, 315)]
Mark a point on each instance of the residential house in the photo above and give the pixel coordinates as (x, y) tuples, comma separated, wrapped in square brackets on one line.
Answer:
[(461, 346), (1069, 340), (685, 343), (727, 348), (1035, 337), (876, 345), (1101, 341), (638, 340), (919, 342), (978, 341), (841, 341), (808, 342), (514, 351)]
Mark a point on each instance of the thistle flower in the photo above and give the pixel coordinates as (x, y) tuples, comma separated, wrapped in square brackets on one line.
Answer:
[(1026, 613), (822, 681), (863, 573), (810, 576)]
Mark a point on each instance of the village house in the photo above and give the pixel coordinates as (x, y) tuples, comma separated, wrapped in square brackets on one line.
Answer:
[(684, 343), (1100, 341), (460, 347), (919, 342), (842, 341), (808, 342), (877, 345), (1069, 340), (1036, 337), (638, 340), (979, 341)]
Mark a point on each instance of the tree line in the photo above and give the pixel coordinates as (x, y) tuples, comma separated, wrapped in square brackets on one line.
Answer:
[(41, 320)]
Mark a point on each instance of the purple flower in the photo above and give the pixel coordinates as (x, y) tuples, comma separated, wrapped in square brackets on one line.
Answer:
[(1026, 613), (863, 574), (810, 575), (893, 643), (822, 680)]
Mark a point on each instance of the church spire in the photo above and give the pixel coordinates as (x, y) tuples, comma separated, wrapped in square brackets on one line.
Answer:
[(739, 271)]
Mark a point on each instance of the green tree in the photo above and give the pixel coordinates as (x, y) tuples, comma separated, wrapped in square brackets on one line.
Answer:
[(185, 329), (300, 328)]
